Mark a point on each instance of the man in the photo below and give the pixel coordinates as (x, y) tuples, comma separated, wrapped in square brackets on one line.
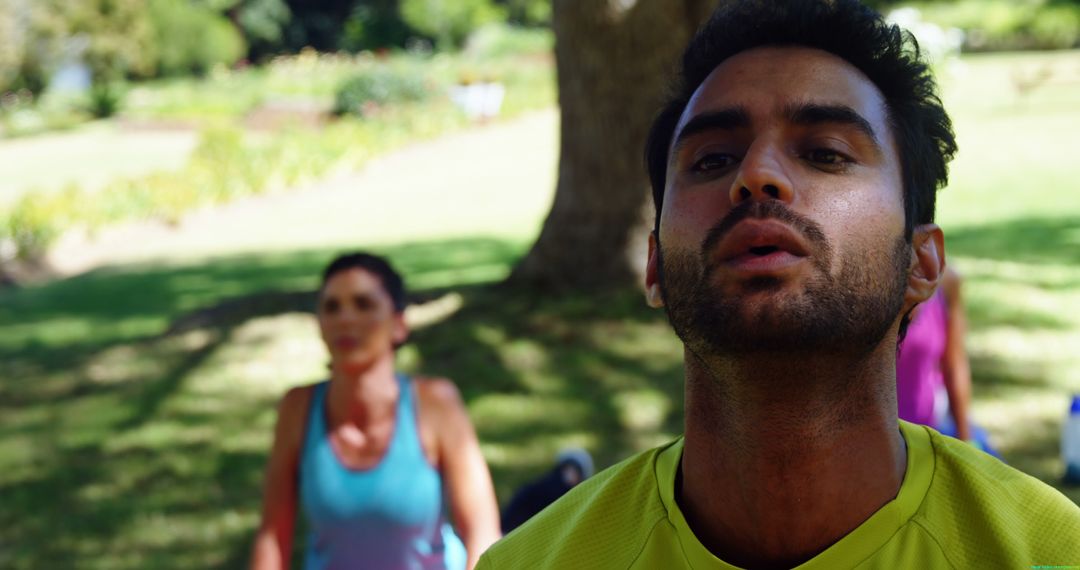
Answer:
[(794, 174)]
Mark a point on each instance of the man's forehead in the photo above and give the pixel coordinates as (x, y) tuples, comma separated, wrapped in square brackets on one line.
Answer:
[(769, 81)]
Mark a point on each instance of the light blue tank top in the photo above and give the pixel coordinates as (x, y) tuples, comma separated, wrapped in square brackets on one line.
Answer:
[(387, 517)]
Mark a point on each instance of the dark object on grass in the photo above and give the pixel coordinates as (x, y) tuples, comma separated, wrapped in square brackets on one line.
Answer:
[(572, 466)]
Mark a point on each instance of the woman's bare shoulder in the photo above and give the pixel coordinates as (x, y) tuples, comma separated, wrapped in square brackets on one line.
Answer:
[(438, 392), (293, 412)]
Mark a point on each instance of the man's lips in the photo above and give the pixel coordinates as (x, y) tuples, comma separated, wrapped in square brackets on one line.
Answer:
[(761, 246)]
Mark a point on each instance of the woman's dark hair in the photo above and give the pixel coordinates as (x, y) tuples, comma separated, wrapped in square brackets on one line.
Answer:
[(887, 55), (375, 265)]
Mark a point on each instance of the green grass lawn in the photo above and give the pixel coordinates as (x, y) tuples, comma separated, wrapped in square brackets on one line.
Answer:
[(136, 401)]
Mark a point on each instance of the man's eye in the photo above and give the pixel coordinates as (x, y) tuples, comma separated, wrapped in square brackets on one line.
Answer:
[(827, 156), (711, 162), (364, 303), (330, 306)]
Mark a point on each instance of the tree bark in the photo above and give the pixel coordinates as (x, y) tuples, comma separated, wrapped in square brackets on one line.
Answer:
[(614, 60)]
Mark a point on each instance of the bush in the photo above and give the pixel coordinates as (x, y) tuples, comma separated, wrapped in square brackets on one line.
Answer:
[(449, 22), (105, 99), (1000, 25), (1056, 27), (377, 87), (501, 40), (192, 38), (38, 218), (528, 12), (373, 26)]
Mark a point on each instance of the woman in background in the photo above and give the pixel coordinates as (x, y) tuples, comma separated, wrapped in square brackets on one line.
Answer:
[(933, 376), (372, 456)]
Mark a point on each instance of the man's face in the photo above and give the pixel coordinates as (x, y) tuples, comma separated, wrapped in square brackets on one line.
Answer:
[(783, 218)]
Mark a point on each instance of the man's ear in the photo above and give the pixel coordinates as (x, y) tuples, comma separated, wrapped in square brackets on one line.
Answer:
[(652, 276), (927, 269)]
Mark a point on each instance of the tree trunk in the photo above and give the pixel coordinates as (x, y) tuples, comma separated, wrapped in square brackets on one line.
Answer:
[(614, 60)]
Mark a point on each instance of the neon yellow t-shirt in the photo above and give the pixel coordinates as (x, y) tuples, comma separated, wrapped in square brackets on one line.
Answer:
[(957, 508)]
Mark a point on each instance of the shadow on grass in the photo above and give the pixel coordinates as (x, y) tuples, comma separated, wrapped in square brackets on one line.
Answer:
[(115, 473), (57, 327), (73, 490), (541, 373), (993, 375), (1038, 454), (1040, 241), (991, 312)]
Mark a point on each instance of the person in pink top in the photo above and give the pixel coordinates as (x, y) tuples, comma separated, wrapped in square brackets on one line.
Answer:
[(933, 376)]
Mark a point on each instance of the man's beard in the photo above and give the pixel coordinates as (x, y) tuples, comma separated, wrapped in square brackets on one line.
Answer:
[(849, 313)]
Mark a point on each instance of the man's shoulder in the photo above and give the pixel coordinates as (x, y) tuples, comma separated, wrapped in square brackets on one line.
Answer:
[(602, 523), (987, 511)]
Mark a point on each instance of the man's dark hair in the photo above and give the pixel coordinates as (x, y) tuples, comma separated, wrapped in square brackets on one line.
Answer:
[(887, 55), (380, 267)]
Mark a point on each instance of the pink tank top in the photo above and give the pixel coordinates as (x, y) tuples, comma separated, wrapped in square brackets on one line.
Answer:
[(918, 366)]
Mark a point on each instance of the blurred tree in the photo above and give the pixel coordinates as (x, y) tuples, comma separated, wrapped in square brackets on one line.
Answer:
[(36, 38), (449, 22), (528, 12), (13, 28), (318, 23), (118, 35), (192, 37), (261, 22), (614, 59), (374, 24)]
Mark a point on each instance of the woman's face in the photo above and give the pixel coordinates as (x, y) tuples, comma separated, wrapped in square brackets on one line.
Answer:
[(357, 318)]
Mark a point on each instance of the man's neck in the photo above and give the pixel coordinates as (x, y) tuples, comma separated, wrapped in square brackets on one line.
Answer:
[(783, 457)]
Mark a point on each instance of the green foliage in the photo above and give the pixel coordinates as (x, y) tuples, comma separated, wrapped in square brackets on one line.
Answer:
[(105, 99), (527, 12), (34, 36), (21, 114), (501, 40), (263, 20), (449, 22), (374, 25), (378, 86), (998, 25), (38, 218), (13, 48), (216, 97), (192, 38), (1057, 27), (119, 34)]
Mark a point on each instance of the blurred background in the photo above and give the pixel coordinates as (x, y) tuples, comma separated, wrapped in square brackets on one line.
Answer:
[(175, 173)]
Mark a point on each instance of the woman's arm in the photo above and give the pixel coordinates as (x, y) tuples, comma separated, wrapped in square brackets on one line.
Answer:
[(273, 541), (464, 470), (955, 366)]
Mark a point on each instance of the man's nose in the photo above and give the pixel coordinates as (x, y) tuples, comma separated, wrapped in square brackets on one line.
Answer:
[(762, 175)]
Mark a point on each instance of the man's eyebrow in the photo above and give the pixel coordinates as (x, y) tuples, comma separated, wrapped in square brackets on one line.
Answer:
[(721, 120), (816, 114)]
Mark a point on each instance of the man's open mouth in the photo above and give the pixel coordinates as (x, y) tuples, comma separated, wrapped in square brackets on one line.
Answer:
[(764, 249)]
